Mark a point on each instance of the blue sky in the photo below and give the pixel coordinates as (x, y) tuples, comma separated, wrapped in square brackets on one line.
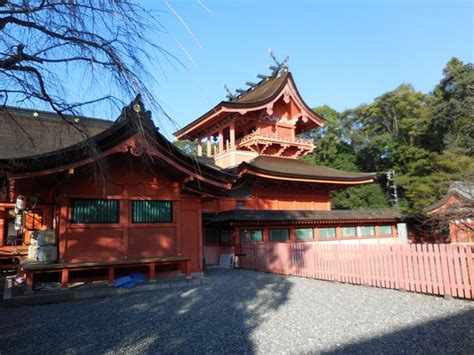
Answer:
[(342, 53)]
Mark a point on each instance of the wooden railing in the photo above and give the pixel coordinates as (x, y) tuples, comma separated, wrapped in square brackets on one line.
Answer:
[(263, 138), (273, 138), (436, 269)]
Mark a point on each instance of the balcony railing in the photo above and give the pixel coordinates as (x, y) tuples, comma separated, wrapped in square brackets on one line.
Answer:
[(255, 136)]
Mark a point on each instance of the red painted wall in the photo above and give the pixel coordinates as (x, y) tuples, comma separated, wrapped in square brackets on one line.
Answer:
[(190, 231), (263, 198), (128, 180)]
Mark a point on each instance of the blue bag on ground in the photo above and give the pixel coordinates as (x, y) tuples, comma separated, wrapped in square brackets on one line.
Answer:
[(130, 284), (122, 281), (137, 277), (130, 281)]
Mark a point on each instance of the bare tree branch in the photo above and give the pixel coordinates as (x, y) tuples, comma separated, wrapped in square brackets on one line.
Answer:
[(104, 47)]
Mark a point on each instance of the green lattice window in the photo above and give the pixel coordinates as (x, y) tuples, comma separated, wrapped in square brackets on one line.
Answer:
[(279, 234), (367, 231), (385, 230), (327, 233), (251, 235), (94, 211), (304, 233), (349, 232), (152, 212)]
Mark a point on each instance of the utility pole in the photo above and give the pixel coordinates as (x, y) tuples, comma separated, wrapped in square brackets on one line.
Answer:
[(392, 187)]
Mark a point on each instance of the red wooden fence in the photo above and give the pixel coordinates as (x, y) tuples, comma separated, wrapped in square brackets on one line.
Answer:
[(437, 269)]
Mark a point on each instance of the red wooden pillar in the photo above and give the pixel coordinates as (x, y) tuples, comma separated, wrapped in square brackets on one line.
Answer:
[(3, 217), (65, 278), (316, 233), (177, 220), (62, 235), (266, 235), (221, 140), (111, 275), (208, 146), (237, 235), (124, 222), (199, 145), (292, 234), (232, 135), (394, 230), (29, 281), (151, 271), (187, 268), (200, 239)]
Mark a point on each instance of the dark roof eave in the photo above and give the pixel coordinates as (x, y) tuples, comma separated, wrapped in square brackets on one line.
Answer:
[(121, 130), (53, 115), (281, 216), (443, 200), (240, 105), (360, 179)]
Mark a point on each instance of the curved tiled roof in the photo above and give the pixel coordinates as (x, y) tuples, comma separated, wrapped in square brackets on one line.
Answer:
[(264, 92), (25, 132), (302, 216), (127, 125), (458, 189), (292, 168)]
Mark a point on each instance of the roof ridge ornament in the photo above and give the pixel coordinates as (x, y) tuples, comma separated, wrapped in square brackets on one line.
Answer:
[(277, 71), (229, 95), (281, 67)]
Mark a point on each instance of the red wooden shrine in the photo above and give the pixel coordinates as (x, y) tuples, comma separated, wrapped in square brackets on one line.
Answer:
[(245, 184)]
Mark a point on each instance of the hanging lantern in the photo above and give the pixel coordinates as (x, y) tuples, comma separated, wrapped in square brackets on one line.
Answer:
[(20, 203)]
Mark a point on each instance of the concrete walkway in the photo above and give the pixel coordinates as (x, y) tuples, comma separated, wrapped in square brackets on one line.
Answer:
[(238, 311)]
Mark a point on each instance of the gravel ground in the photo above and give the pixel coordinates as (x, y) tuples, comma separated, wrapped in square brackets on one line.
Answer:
[(240, 311)]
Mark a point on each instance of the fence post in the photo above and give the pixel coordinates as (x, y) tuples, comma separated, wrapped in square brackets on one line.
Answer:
[(337, 267), (363, 266), (397, 261), (452, 274), (470, 268), (464, 271), (444, 266), (439, 272)]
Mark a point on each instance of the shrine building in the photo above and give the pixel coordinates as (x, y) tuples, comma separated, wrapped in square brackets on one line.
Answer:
[(128, 197)]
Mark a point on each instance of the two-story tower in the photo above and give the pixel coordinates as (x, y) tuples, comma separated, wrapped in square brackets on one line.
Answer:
[(257, 137), (265, 120)]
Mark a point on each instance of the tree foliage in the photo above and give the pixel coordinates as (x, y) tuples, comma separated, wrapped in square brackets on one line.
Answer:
[(334, 149), (427, 139), (452, 125)]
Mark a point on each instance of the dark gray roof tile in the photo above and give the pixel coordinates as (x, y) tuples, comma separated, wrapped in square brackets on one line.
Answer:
[(301, 216)]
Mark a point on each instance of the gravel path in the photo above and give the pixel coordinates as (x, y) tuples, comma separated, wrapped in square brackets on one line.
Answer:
[(240, 311)]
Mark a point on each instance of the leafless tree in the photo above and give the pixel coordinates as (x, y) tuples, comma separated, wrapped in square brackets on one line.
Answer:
[(101, 44), (100, 50)]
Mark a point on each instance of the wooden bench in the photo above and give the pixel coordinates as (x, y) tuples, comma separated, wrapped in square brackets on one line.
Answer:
[(13, 255), (31, 268)]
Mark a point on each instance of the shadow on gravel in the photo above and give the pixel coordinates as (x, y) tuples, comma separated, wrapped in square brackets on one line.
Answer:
[(218, 316), (454, 334)]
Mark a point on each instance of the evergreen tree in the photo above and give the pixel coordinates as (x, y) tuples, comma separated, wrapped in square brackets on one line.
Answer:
[(334, 149), (427, 139), (452, 125)]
